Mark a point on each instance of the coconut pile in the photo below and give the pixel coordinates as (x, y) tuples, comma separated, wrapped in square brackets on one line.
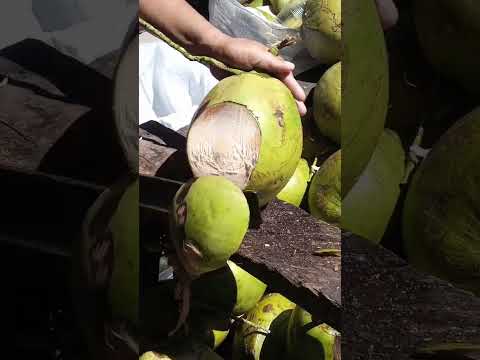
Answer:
[(247, 137)]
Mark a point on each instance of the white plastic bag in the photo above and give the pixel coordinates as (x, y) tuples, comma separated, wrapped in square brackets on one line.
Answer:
[(236, 20), (170, 86)]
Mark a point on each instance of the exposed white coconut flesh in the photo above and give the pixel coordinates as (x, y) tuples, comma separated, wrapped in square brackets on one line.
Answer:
[(224, 140)]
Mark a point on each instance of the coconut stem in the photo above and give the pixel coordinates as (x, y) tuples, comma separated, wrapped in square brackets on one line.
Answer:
[(202, 59), (255, 326), (415, 152)]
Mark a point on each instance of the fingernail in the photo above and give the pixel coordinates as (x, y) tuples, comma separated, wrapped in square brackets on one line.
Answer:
[(290, 65)]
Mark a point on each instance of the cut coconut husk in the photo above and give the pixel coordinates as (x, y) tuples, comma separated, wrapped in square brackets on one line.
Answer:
[(369, 205), (308, 341), (441, 223), (230, 289), (247, 129), (151, 355), (327, 103), (465, 12), (450, 47), (324, 200), (322, 29), (182, 349), (210, 218), (265, 326), (364, 87), (295, 189)]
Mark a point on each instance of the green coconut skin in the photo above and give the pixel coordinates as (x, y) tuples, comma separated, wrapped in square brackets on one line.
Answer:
[(124, 282), (216, 220), (273, 310), (322, 29), (327, 103), (230, 289), (150, 355), (306, 342), (276, 112), (324, 200), (368, 207), (296, 187), (451, 48), (441, 223), (365, 84), (465, 12)]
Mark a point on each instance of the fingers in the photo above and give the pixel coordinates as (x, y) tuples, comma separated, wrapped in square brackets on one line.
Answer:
[(302, 109), (297, 91), (388, 13)]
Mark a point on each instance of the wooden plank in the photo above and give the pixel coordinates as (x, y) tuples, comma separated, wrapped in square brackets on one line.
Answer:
[(281, 253), (390, 309)]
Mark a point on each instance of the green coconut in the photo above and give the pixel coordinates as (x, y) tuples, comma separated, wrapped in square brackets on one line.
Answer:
[(364, 87), (324, 200), (369, 205), (295, 189), (441, 223), (327, 103), (124, 281), (252, 342), (466, 12), (151, 355), (451, 48), (210, 219), (230, 289), (309, 342), (322, 29), (247, 129)]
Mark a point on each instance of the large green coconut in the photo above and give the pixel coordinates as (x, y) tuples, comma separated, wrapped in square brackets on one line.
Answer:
[(324, 200), (252, 342), (369, 205), (441, 222), (466, 12), (322, 29), (210, 218), (247, 129), (230, 289), (295, 189), (124, 281), (327, 103), (308, 341), (364, 87), (451, 48)]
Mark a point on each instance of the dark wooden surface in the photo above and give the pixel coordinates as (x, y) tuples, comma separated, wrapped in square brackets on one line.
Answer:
[(390, 309)]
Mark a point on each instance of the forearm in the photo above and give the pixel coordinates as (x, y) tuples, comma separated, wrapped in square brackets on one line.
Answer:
[(179, 21)]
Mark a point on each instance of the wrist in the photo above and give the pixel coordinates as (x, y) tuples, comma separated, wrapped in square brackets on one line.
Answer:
[(211, 43)]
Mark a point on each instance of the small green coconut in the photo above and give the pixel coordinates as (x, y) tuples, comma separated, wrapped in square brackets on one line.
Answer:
[(451, 48), (247, 129), (230, 289), (327, 103), (441, 223), (309, 342), (295, 189), (124, 281), (369, 205), (251, 341), (364, 87), (322, 29), (324, 200), (210, 219), (465, 12)]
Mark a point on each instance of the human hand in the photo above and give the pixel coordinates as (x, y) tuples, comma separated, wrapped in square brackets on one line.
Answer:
[(388, 13), (245, 54)]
